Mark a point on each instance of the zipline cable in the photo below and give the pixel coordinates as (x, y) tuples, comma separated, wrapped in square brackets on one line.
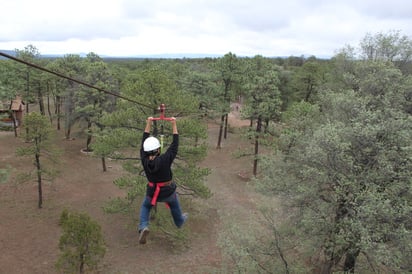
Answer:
[(72, 79)]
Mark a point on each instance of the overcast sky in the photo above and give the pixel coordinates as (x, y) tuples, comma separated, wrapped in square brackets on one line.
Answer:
[(245, 28)]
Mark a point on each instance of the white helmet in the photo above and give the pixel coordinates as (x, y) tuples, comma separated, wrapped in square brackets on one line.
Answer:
[(150, 144)]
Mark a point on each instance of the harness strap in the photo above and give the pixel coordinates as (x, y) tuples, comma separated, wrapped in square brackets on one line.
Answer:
[(157, 190)]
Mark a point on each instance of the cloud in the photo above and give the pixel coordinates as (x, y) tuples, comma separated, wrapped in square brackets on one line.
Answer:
[(244, 27)]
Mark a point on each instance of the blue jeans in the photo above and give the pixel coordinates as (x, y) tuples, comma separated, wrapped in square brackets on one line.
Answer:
[(175, 210)]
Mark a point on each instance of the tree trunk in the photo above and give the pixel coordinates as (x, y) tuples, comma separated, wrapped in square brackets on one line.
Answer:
[(39, 179), (219, 140), (226, 127), (40, 100), (309, 92), (58, 110), (14, 123), (48, 104), (27, 108), (81, 267), (104, 164), (89, 136), (258, 131), (279, 249), (28, 91), (350, 260), (326, 268), (68, 132), (69, 108), (255, 160)]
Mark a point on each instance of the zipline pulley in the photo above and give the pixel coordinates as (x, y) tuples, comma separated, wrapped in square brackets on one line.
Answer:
[(162, 109)]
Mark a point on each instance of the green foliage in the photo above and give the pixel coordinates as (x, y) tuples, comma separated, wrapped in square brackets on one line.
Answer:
[(344, 174), (174, 239), (262, 92), (7, 80), (390, 46), (250, 248), (189, 178), (81, 243), (40, 137), (71, 65), (306, 80), (4, 174), (38, 128), (228, 76), (25, 76), (91, 104), (237, 246), (300, 118), (117, 205), (134, 184), (202, 85), (262, 101)]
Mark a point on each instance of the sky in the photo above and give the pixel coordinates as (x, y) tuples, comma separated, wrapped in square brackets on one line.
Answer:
[(269, 28)]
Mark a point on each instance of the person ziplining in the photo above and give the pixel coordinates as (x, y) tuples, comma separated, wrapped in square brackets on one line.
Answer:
[(157, 168)]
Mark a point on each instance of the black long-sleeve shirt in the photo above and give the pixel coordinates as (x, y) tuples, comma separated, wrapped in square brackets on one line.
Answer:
[(159, 169)]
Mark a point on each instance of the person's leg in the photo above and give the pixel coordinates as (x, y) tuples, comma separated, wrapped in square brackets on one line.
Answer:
[(173, 202), (144, 220), (145, 213)]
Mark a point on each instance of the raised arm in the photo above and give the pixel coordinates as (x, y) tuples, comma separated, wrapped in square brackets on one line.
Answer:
[(148, 124), (174, 126)]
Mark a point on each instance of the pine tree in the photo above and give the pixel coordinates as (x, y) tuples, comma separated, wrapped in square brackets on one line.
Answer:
[(81, 244), (39, 136)]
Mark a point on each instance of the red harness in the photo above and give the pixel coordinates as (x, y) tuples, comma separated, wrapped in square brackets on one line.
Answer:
[(157, 190)]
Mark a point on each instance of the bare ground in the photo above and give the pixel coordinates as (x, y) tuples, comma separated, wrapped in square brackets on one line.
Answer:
[(29, 236)]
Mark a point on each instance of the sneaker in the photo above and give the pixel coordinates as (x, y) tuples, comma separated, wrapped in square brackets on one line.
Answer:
[(185, 216), (142, 235)]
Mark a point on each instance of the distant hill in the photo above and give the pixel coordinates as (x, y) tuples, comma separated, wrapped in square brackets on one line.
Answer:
[(143, 56), (147, 56), (179, 55)]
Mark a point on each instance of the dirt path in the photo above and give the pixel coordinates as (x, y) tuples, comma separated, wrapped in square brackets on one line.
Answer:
[(29, 236)]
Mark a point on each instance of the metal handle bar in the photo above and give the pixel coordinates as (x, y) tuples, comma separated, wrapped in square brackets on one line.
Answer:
[(162, 114)]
